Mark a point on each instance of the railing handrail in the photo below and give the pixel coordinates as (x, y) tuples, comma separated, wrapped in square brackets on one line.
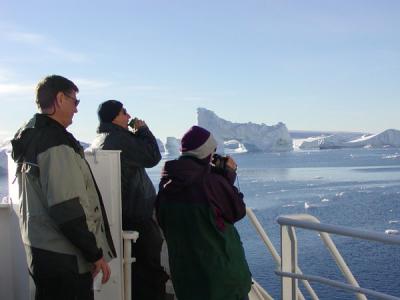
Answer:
[(309, 222), (340, 285), (296, 221), (275, 255)]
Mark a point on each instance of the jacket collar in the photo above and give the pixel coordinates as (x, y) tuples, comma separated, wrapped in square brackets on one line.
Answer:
[(42, 120)]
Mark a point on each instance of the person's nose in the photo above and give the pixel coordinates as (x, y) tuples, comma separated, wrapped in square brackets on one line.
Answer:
[(129, 116)]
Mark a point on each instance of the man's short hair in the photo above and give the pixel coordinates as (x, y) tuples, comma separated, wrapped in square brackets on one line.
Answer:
[(48, 87)]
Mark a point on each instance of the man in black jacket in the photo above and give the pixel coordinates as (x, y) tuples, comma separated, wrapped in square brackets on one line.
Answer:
[(139, 150)]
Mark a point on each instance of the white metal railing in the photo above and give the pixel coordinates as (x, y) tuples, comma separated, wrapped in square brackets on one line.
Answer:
[(264, 237), (290, 272), (128, 237)]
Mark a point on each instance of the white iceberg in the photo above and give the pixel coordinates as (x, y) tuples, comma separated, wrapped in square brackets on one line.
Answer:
[(254, 137), (160, 145), (392, 231), (387, 138), (5, 147), (172, 147), (234, 146), (332, 141)]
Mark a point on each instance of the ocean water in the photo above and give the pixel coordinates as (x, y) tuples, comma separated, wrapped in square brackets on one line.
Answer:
[(359, 188)]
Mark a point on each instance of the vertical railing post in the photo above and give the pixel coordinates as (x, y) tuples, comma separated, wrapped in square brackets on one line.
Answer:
[(128, 238), (288, 262)]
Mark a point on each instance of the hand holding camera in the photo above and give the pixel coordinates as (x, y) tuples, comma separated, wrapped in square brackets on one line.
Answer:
[(231, 163), (223, 162), (136, 123)]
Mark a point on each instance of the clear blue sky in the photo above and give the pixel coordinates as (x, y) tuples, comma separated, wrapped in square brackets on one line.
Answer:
[(314, 65)]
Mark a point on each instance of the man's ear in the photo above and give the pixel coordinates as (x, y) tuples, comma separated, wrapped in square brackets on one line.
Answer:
[(59, 99)]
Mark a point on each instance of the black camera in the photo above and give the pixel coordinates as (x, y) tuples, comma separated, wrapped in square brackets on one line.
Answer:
[(132, 123), (219, 161)]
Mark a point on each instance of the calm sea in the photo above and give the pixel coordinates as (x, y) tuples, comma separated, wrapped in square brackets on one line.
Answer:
[(359, 188)]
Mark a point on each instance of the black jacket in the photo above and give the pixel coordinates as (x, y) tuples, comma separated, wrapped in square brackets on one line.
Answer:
[(139, 150)]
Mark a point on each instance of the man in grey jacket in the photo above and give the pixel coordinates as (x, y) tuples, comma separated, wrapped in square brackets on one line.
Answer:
[(63, 222), (139, 150)]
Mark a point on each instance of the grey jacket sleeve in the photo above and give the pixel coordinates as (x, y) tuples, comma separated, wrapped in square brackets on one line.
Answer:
[(63, 184)]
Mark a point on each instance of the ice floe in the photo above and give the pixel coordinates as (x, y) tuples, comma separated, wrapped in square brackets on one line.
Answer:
[(392, 231)]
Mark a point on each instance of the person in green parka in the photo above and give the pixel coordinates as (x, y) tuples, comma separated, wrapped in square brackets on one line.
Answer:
[(197, 206)]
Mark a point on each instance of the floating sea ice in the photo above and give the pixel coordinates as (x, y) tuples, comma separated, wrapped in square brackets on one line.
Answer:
[(306, 205), (394, 221), (288, 205), (394, 156), (317, 177), (339, 194), (391, 231), (325, 200)]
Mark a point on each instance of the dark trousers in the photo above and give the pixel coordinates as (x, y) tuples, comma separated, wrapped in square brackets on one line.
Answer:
[(64, 287), (56, 276), (148, 276)]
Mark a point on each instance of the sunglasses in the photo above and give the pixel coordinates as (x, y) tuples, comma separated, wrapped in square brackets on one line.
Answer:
[(76, 101)]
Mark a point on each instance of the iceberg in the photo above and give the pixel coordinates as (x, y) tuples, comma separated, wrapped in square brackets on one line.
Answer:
[(387, 138), (5, 147), (173, 146), (332, 141), (391, 231), (234, 146), (254, 137), (160, 146)]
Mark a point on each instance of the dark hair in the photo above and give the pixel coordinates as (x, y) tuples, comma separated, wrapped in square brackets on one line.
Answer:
[(48, 87)]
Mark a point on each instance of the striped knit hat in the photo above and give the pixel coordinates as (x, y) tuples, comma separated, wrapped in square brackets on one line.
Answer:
[(198, 142)]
